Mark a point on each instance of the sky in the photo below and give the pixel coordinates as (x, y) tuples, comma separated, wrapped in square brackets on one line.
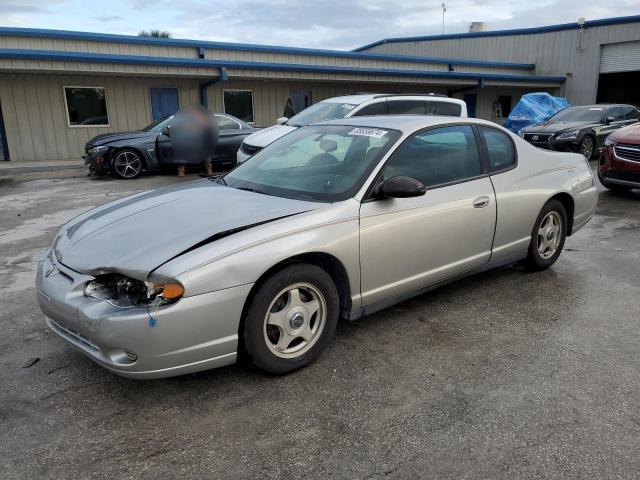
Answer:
[(332, 24)]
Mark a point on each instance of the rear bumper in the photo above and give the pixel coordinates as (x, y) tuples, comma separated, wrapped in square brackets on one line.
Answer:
[(196, 333), (585, 204)]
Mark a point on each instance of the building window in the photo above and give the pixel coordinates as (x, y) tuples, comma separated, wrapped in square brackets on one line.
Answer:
[(86, 106), (239, 103)]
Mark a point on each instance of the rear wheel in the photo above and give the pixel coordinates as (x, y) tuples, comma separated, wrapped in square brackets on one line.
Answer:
[(587, 147), (291, 319), (547, 237), (126, 164)]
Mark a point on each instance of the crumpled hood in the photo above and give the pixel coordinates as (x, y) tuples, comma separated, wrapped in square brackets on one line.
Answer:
[(268, 135), (107, 138), (554, 127), (137, 234)]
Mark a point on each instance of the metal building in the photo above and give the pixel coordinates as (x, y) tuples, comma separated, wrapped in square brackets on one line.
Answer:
[(59, 88), (600, 58)]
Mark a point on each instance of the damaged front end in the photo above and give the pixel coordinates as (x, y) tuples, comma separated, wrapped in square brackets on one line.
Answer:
[(125, 292)]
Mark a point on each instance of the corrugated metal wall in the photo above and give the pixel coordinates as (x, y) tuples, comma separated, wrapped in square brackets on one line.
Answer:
[(554, 53), (35, 115), (224, 54)]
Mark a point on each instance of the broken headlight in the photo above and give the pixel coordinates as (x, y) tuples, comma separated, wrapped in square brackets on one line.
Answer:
[(122, 291)]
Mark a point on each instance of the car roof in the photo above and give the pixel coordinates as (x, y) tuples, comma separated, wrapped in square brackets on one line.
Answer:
[(357, 99), (404, 123)]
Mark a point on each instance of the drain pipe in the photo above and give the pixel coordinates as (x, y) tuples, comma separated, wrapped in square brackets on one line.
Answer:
[(204, 86)]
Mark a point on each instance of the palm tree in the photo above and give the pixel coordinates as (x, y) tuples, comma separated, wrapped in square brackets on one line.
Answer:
[(154, 33)]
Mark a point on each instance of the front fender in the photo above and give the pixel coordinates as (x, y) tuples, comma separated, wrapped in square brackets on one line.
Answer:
[(244, 257)]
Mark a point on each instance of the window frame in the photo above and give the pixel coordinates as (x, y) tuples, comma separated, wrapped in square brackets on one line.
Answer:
[(66, 106), (485, 149), (224, 105), (370, 195)]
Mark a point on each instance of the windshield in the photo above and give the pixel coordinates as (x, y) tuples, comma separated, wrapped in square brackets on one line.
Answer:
[(158, 125), (325, 163), (319, 112), (579, 114)]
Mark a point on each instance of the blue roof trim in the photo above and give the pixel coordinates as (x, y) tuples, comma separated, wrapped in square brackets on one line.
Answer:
[(48, 55), (174, 42), (503, 33)]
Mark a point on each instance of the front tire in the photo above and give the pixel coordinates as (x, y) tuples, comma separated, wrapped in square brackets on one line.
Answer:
[(126, 164), (291, 319), (548, 236)]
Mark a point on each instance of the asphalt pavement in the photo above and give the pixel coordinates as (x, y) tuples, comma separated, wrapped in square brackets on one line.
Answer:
[(502, 375)]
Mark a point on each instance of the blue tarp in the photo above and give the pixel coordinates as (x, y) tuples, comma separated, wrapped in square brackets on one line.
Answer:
[(533, 108)]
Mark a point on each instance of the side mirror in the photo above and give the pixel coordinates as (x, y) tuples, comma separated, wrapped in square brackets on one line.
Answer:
[(282, 120), (166, 131), (608, 120), (402, 187)]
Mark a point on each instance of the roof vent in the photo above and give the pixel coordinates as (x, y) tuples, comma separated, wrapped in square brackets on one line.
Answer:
[(477, 27)]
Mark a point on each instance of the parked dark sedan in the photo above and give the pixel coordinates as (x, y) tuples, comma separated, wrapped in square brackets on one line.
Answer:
[(127, 154), (580, 129)]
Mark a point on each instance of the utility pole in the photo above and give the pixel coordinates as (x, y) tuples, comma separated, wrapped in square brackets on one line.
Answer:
[(444, 9)]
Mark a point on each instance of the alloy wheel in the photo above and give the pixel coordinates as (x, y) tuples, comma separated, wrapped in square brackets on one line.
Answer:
[(586, 147), (295, 320), (127, 164), (549, 235)]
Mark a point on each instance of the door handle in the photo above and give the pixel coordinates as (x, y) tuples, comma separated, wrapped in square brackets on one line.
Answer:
[(481, 202)]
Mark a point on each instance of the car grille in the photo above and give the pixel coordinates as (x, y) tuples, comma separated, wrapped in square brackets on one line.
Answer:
[(538, 139), (249, 149), (627, 152)]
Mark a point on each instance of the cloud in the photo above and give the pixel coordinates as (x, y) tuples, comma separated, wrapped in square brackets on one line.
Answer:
[(108, 18), (340, 24)]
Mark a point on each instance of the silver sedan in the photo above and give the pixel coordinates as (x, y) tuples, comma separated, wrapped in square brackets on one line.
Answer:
[(335, 220)]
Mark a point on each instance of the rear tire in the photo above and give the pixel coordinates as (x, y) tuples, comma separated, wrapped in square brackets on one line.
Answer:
[(291, 319), (548, 236)]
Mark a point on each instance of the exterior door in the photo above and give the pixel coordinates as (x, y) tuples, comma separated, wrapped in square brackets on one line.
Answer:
[(301, 100), (164, 102), (410, 243)]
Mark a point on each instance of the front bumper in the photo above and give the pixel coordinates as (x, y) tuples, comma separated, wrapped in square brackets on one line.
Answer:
[(616, 170), (196, 333), (551, 142), (97, 162)]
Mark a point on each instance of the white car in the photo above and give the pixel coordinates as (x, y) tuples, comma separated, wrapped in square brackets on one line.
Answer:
[(353, 106)]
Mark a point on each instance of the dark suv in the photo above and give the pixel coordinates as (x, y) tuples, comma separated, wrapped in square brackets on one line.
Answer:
[(580, 129)]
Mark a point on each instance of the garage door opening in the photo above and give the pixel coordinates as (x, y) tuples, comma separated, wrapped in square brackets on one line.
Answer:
[(621, 87), (4, 148)]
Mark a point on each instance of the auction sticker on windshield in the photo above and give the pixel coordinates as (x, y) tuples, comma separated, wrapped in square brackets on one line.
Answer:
[(368, 132)]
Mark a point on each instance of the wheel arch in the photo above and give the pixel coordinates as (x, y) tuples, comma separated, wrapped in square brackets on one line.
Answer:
[(328, 262), (118, 148), (569, 205)]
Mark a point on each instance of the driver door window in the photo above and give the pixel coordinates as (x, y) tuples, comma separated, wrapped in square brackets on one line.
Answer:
[(617, 113), (437, 157)]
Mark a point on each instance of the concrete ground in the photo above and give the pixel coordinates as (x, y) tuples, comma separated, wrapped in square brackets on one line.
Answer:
[(504, 375)]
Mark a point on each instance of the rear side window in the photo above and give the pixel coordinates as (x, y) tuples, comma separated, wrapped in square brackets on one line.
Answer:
[(437, 156), (500, 149), (379, 108), (443, 108), (407, 107)]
